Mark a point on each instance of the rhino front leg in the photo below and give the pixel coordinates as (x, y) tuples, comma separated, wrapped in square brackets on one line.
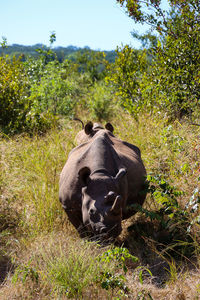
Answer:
[(75, 217)]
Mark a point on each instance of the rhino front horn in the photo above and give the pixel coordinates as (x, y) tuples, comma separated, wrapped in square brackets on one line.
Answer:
[(117, 206)]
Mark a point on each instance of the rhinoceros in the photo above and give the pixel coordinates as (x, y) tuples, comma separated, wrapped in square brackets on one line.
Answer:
[(101, 179)]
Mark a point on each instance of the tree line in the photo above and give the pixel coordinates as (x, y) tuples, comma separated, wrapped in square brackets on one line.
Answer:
[(62, 53)]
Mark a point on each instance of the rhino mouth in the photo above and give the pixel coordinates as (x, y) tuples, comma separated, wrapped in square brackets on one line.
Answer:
[(107, 234), (101, 232)]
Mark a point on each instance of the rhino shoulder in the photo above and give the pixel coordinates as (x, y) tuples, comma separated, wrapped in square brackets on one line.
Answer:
[(123, 146), (132, 147), (78, 149)]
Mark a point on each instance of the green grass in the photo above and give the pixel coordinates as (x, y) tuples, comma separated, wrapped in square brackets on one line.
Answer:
[(48, 259), (65, 265)]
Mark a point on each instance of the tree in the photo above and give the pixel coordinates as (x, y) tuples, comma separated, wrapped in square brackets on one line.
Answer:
[(54, 93), (151, 12), (92, 62), (46, 52), (174, 71), (130, 65)]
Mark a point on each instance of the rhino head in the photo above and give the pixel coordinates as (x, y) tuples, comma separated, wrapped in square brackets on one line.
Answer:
[(102, 203)]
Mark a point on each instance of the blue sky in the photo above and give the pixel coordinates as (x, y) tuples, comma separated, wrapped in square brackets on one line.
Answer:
[(99, 24)]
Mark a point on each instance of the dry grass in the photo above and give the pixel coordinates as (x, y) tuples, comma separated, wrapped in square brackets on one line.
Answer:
[(37, 240)]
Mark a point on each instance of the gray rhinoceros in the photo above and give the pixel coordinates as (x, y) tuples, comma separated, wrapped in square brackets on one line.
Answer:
[(100, 181)]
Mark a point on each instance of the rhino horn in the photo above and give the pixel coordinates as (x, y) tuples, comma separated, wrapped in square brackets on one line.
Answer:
[(110, 198), (120, 173), (117, 206)]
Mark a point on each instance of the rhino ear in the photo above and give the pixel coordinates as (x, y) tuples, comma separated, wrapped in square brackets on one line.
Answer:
[(84, 175), (121, 173), (89, 128), (109, 127)]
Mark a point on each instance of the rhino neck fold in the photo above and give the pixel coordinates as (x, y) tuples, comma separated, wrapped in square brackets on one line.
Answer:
[(102, 171)]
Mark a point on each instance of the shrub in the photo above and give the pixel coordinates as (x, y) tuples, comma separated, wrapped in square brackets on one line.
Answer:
[(53, 93), (126, 76), (100, 102), (14, 102)]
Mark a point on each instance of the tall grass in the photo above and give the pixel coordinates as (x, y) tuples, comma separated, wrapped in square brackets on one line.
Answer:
[(48, 259), (167, 148), (30, 172), (63, 265)]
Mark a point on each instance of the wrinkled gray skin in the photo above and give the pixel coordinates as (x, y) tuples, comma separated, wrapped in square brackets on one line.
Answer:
[(102, 177)]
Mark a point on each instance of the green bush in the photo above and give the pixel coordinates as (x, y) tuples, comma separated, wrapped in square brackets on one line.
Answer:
[(18, 110), (14, 102), (101, 102), (126, 76), (93, 63), (53, 93)]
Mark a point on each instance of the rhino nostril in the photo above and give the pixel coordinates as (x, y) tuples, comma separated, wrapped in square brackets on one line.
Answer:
[(92, 211)]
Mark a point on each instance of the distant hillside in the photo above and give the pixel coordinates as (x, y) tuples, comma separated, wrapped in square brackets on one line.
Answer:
[(61, 52)]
